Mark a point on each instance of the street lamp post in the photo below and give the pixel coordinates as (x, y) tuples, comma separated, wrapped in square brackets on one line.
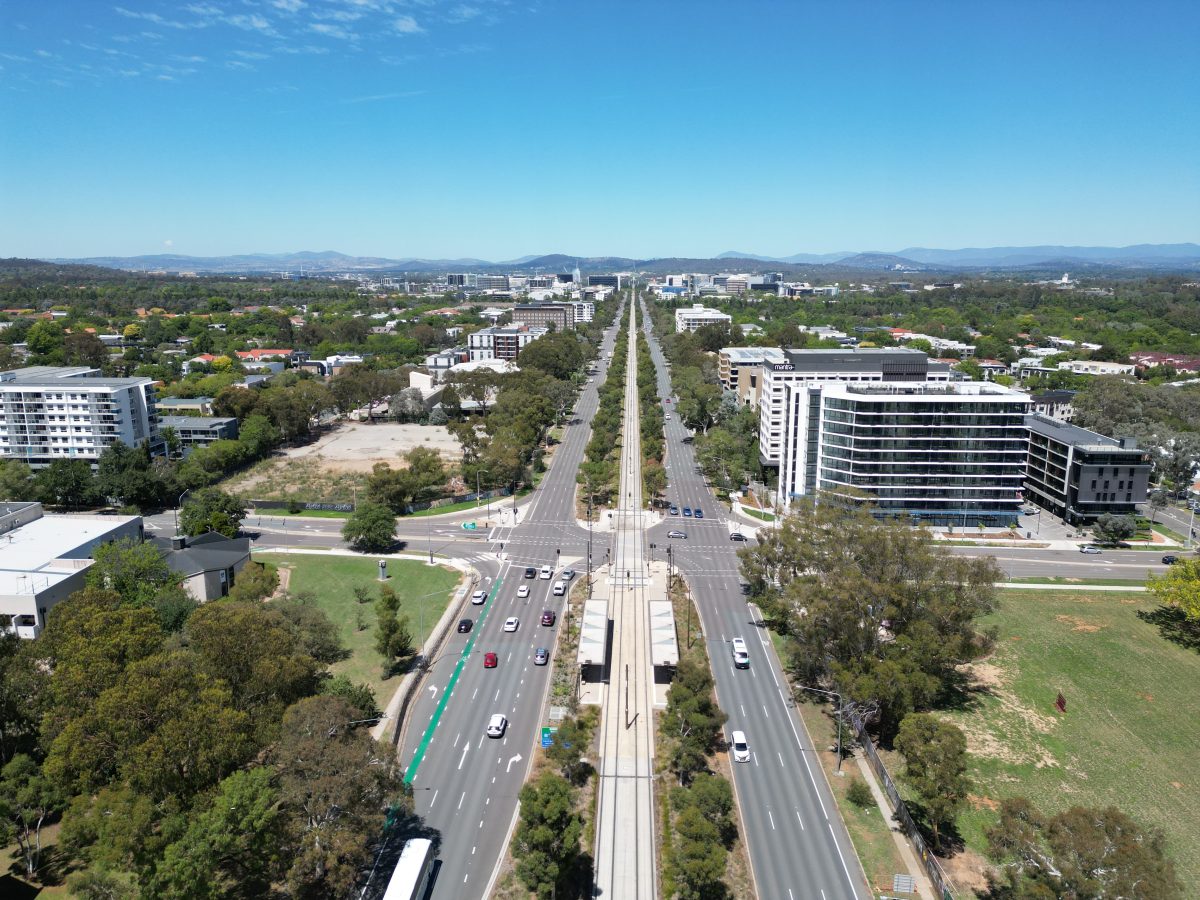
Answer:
[(805, 687), (478, 492), (179, 503)]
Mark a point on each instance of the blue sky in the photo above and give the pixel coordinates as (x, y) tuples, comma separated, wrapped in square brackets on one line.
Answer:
[(494, 129)]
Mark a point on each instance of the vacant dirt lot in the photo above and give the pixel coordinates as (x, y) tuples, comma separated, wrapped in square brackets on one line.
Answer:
[(356, 446)]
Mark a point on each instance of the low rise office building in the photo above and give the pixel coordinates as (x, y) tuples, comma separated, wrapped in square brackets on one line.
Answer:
[(731, 360), (556, 316), (1079, 475), (199, 431), (502, 341), (696, 316)]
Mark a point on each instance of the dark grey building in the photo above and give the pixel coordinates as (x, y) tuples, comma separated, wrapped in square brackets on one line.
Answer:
[(200, 431), (1079, 475), (612, 281)]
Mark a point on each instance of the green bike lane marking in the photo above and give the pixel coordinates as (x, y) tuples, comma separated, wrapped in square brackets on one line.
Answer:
[(411, 772)]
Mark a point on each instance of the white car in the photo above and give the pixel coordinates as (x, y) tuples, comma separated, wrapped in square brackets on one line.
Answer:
[(546, 573), (560, 588), (496, 726), (741, 750), (1090, 549), (512, 623), (523, 591), (478, 597)]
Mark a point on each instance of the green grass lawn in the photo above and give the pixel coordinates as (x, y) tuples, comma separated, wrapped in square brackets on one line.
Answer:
[(764, 516), (1130, 731), (424, 592)]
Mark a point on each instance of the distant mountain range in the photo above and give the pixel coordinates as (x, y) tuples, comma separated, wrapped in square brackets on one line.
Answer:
[(1169, 257)]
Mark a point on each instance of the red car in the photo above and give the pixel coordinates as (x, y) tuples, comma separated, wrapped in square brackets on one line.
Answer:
[(548, 617), (490, 661)]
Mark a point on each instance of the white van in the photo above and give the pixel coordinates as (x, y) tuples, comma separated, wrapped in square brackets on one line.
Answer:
[(741, 749), (741, 658)]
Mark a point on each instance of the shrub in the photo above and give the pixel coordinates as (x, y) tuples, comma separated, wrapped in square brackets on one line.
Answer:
[(859, 794)]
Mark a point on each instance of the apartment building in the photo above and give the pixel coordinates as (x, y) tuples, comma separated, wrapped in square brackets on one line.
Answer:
[(199, 431), (800, 367), (44, 559), (559, 316), (731, 360), (502, 341), (585, 310), (1079, 475), (1096, 367), (1057, 405), (691, 318), (70, 412), (948, 453)]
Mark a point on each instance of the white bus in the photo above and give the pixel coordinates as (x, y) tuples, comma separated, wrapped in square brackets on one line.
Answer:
[(410, 879)]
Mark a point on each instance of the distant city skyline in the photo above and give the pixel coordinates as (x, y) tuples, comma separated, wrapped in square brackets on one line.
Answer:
[(497, 129)]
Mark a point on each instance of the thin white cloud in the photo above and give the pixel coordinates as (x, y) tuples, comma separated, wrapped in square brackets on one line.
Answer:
[(463, 14), (407, 25), (333, 31), (155, 18), (251, 54), (289, 6), (251, 22), (398, 95)]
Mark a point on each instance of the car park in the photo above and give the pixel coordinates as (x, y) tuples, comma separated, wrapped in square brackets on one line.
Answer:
[(478, 597), (677, 534), (1170, 559), (496, 726), (512, 623), (687, 512), (736, 536), (548, 617), (530, 572), (541, 656), (490, 660), (523, 591), (546, 573), (465, 625), (1089, 549), (739, 746), (699, 513), (560, 588)]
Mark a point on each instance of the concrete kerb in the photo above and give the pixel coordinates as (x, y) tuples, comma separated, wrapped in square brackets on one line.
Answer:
[(920, 879)]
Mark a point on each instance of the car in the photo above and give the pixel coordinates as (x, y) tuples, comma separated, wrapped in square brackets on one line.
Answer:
[(478, 597), (546, 573), (699, 513), (512, 623), (547, 617), (465, 625), (591, 381), (523, 591), (530, 572), (1170, 559), (496, 726), (687, 512), (667, 417), (682, 535), (560, 588), (736, 536), (541, 656), (490, 660), (1031, 512), (566, 574), (741, 656), (686, 439), (668, 400), (674, 510), (1089, 549), (737, 743)]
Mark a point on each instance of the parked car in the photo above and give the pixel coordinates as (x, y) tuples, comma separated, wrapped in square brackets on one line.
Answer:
[(490, 660), (1089, 549), (1170, 559), (478, 597), (496, 726), (548, 617), (523, 591), (677, 534), (541, 656), (741, 749), (465, 626)]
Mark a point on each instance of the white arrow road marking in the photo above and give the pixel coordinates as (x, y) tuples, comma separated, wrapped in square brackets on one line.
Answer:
[(511, 760)]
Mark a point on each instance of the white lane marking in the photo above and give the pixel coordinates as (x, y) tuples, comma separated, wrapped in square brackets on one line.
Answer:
[(481, 823), (743, 709), (434, 800), (772, 818), (823, 894), (838, 847), (462, 759), (473, 695), (790, 894), (456, 737), (461, 799), (472, 851), (765, 713), (780, 755), (800, 820), (497, 697)]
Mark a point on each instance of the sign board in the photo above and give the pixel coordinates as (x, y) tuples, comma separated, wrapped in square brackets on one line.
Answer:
[(783, 367), (469, 526), (548, 736)]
